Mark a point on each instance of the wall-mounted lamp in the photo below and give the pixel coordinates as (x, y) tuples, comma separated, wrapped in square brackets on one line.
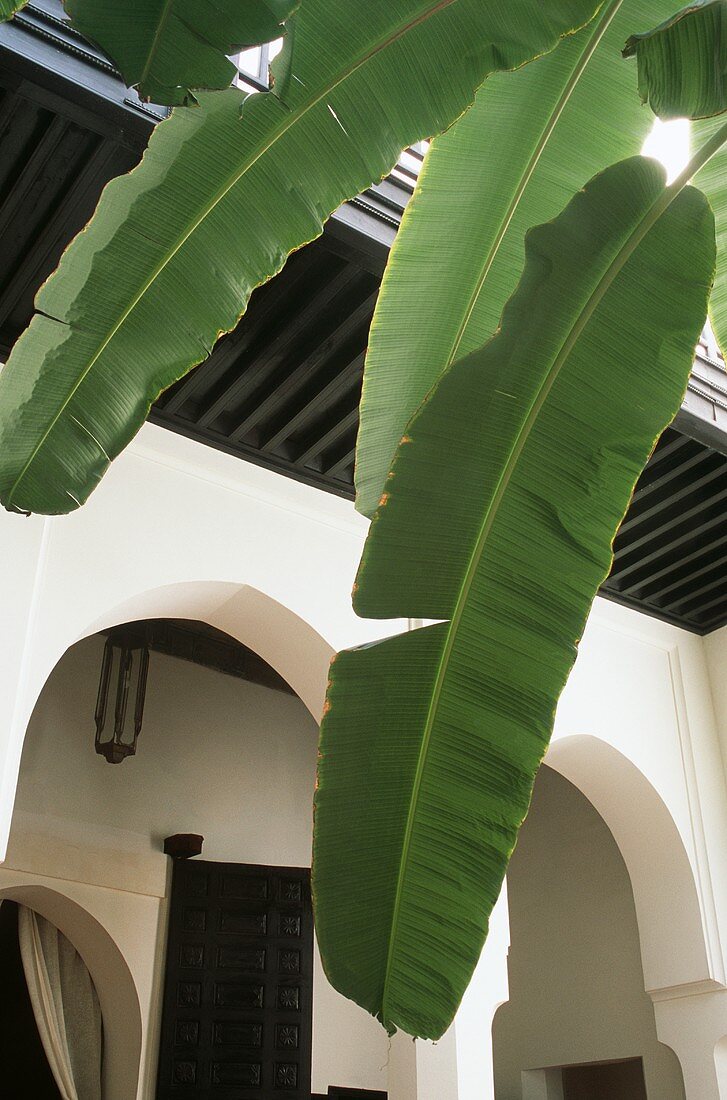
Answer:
[(125, 658)]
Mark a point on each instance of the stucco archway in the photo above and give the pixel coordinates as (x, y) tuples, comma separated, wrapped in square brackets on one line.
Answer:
[(674, 946), (281, 637), (111, 976), (289, 644)]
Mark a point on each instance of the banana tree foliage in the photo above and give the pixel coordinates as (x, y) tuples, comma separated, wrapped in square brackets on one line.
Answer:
[(676, 70), (682, 67), (226, 189), (167, 47), (8, 8), (564, 119), (497, 517)]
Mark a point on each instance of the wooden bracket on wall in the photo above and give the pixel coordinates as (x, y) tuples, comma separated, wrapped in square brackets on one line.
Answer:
[(183, 845)]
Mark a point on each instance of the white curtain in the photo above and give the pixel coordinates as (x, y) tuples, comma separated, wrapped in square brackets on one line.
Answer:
[(65, 1004)]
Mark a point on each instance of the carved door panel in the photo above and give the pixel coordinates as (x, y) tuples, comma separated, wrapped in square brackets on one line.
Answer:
[(237, 1013)]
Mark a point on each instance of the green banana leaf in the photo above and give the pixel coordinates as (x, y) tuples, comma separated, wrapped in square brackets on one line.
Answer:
[(712, 179), (682, 67), (497, 517), (8, 8), (166, 47), (677, 73), (225, 191), (513, 161)]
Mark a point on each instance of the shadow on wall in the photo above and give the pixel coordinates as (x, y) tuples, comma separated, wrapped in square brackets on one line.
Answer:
[(111, 976), (576, 978)]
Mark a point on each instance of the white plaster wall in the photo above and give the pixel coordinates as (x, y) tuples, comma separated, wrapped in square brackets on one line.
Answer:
[(716, 650), (641, 687), (576, 982), (171, 512), (177, 529), (231, 760)]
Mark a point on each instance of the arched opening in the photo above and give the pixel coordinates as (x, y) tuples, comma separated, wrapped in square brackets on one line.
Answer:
[(578, 1022), (218, 755), (27, 1072), (281, 637), (674, 946), (287, 642), (111, 977)]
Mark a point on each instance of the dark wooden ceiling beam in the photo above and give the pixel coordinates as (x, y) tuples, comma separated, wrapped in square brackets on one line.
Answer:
[(292, 378), (715, 469), (695, 599), (304, 409), (41, 257), (663, 473), (341, 458), (674, 578), (689, 519), (265, 307), (36, 165), (666, 568), (10, 104), (711, 614), (339, 422), (264, 356), (649, 558)]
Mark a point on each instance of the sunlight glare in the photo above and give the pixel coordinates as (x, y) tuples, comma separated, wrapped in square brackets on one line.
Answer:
[(669, 143)]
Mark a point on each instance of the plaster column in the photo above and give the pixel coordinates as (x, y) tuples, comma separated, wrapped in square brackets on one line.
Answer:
[(402, 1068), (420, 1070), (473, 1022), (695, 1028), (542, 1084), (437, 1068)]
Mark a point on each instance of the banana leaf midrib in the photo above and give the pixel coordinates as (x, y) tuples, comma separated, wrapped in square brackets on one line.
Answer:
[(601, 25), (155, 40), (231, 182), (626, 250)]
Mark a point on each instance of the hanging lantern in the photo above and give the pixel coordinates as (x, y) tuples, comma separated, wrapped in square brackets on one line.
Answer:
[(125, 664)]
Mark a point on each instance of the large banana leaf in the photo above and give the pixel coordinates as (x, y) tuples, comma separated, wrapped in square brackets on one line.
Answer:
[(498, 517), (712, 179), (513, 161), (166, 47), (224, 192), (8, 8), (682, 68), (681, 72)]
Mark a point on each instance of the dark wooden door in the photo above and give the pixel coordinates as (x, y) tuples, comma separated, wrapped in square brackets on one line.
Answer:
[(237, 1013)]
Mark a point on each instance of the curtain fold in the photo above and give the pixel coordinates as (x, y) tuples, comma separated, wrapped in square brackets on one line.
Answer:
[(65, 1005)]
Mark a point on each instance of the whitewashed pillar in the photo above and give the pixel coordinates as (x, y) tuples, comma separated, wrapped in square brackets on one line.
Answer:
[(695, 1028)]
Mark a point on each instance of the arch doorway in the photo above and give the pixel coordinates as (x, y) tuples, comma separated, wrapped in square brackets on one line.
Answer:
[(578, 1023), (51, 1029), (108, 973)]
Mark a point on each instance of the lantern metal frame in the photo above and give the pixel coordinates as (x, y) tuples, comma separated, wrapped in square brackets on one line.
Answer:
[(130, 650)]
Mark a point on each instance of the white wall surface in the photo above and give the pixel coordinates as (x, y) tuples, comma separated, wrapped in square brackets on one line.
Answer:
[(576, 982), (176, 529), (231, 760)]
